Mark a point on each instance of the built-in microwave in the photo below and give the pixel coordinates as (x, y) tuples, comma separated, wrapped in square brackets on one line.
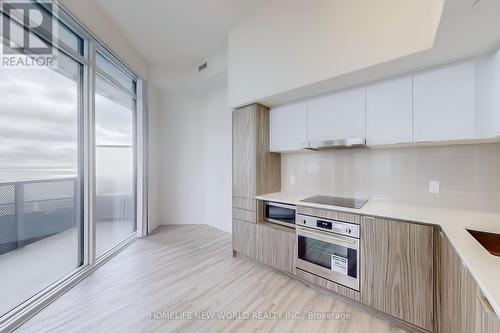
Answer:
[(279, 213)]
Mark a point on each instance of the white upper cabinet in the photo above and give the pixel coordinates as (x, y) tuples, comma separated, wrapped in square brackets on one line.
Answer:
[(389, 112), (460, 102), (488, 96), (288, 127), (337, 116), (444, 104)]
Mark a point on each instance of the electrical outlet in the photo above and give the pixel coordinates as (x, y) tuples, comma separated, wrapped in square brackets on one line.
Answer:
[(434, 186), (292, 179)]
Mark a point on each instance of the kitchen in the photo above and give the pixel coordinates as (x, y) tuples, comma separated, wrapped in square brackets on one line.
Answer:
[(378, 194)]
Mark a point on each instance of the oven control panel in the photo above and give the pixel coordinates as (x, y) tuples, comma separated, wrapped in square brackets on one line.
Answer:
[(324, 225), (338, 227)]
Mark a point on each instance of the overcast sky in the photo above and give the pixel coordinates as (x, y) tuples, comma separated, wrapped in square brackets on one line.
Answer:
[(38, 119)]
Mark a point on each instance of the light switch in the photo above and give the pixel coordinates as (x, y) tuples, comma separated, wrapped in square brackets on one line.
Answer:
[(292, 179), (434, 186)]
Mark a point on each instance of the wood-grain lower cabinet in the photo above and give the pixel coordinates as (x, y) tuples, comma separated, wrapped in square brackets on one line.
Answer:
[(448, 288), (486, 320), (276, 247), (456, 291), (461, 307), (244, 238), (327, 284), (272, 246), (397, 269)]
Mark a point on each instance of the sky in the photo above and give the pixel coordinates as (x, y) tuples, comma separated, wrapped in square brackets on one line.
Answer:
[(38, 119)]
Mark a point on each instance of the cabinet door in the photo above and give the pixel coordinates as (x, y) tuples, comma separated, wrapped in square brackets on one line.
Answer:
[(276, 248), (397, 269), (288, 127), (461, 306), (244, 153), (389, 112), (488, 96), (337, 116), (244, 238), (444, 104)]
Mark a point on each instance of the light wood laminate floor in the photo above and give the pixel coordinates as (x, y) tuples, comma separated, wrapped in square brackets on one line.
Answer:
[(187, 269)]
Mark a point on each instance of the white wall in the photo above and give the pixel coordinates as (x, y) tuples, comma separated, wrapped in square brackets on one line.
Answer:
[(153, 156), (293, 43), (218, 160), (195, 154)]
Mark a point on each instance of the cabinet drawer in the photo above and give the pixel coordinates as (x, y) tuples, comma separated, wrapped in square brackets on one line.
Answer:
[(329, 214), (327, 284), (244, 215), (244, 203)]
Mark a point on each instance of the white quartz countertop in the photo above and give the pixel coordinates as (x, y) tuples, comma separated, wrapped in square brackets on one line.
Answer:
[(484, 267)]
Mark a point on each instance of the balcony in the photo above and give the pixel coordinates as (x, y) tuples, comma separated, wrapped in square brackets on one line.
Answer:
[(41, 238)]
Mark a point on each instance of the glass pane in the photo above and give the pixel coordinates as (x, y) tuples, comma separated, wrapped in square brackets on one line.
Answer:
[(16, 35), (69, 38), (40, 230), (115, 182), (113, 71), (320, 253), (60, 32), (282, 214)]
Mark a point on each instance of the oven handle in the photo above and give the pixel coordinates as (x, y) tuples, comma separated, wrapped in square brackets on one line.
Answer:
[(317, 234)]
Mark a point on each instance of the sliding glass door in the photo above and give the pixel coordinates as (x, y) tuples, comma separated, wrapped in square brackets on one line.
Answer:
[(40, 183), (115, 108)]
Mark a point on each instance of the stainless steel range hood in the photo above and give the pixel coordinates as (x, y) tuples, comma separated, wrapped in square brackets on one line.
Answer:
[(335, 144)]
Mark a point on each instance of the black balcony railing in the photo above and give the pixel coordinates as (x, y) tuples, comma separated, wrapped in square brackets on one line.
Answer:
[(32, 210)]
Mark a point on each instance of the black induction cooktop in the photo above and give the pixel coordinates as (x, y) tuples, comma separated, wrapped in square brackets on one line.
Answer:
[(337, 201)]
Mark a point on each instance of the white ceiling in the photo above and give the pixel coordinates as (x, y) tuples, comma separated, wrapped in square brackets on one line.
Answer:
[(465, 31), (177, 33), (176, 36)]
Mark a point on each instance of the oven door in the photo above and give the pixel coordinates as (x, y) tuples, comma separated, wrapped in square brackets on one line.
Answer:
[(333, 257), (280, 213)]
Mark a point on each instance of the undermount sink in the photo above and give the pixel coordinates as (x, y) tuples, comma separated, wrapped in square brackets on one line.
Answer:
[(490, 241)]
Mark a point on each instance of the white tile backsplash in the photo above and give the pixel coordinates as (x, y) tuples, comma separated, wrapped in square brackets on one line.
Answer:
[(469, 175)]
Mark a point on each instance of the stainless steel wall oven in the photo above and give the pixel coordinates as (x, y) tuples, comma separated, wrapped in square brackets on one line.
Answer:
[(329, 249)]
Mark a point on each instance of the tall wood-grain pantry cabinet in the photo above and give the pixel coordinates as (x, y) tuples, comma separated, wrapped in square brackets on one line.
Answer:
[(255, 171)]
